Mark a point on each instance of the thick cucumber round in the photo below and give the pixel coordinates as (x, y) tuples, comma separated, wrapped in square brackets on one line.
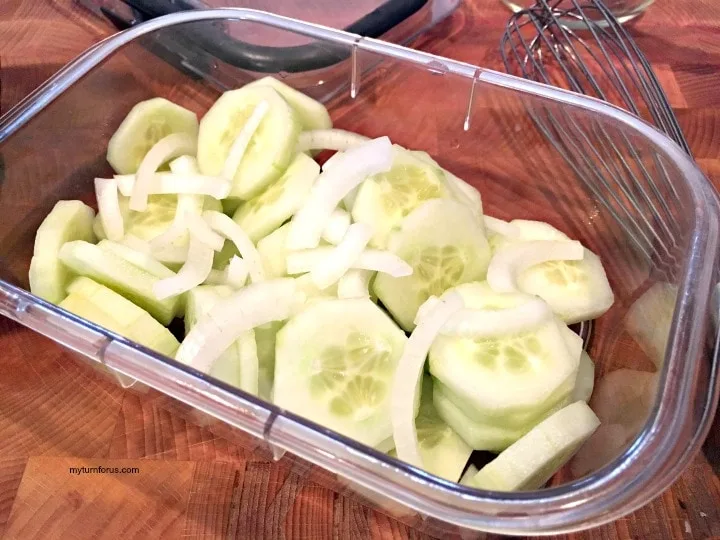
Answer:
[(147, 123), (506, 378), (271, 147), (118, 274), (273, 252), (264, 213), (444, 453), (492, 437), (575, 290), (585, 381), (141, 260), (530, 462), (311, 113), (200, 301), (67, 221), (445, 245), (384, 200), (105, 307), (334, 365)]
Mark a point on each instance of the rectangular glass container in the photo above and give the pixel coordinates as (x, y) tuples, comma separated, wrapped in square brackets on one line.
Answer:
[(503, 135)]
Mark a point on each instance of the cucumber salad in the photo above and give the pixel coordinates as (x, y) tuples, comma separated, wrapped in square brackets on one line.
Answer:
[(371, 295)]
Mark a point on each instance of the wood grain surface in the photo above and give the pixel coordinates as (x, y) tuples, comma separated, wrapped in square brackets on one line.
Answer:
[(203, 482)]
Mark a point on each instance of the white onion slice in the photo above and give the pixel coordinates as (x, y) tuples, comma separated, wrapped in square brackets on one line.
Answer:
[(299, 262), (216, 277), (233, 232), (251, 306), (342, 257), (249, 362), (331, 161), (237, 272), (194, 271), (174, 145), (355, 284), (480, 323), (332, 185), (200, 228), (239, 146), (406, 382), (509, 261), (329, 139), (336, 227), (106, 191), (503, 228), (164, 183)]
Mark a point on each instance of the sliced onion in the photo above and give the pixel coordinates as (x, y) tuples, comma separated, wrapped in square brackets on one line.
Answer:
[(299, 262), (216, 277), (355, 284), (509, 261), (173, 145), (233, 232), (425, 308), (503, 228), (249, 362), (239, 146), (194, 271), (237, 272), (164, 183), (200, 228), (251, 306), (342, 257), (480, 323), (329, 139), (331, 186), (336, 227), (331, 161), (106, 191), (406, 382)]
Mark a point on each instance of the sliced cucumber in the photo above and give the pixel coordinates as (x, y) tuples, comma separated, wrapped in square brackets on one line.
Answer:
[(118, 274), (625, 397), (200, 301), (264, 213), (443, 452), (507, 378), (156, 219), (478, 435), (265, 337), (67, 221), (575, 290), (530, 462), (384, 200), (147, 123), (445, 245), (105, 307), (585, 380), (649, 320), (311, 113), (271, 147), (141, 260), (273, 252), (334, 365)]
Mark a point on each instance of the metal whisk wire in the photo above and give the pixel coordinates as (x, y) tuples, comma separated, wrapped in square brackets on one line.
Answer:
[(602, 62)]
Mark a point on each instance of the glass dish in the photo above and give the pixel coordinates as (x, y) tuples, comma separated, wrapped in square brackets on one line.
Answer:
[(476, 123)]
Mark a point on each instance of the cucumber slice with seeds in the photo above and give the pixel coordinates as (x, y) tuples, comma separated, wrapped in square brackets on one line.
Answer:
[(445, 245), (311, 113), (261, 215), (105, 307), (530, 462), (67, 221), (147, 123), (123, 277), (271, 147), (334, 365), (384, 200), (536, 369), (575, 290)]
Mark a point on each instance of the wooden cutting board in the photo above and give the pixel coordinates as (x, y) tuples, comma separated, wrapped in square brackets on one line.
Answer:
[(178, 480)]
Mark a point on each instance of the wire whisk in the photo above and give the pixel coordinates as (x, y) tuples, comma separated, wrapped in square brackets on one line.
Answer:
[(543, 43)]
